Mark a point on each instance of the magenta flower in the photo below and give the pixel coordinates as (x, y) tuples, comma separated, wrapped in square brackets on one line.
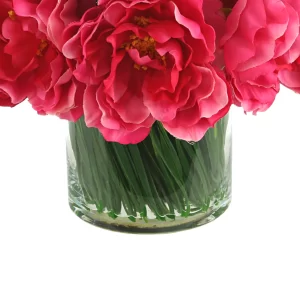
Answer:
[(257, 34), (16, 61), (147, 61), (33, 67)]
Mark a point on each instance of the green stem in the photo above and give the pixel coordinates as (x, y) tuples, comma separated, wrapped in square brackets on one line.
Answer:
[(162, 175)]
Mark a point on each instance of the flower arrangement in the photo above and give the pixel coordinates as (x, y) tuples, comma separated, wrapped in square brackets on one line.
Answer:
[(152, 75), (126, 64)]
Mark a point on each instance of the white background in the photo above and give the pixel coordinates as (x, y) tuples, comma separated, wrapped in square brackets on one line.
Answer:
[(251, 252)]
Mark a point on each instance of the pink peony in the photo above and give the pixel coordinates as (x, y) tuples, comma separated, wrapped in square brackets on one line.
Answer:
[(53, 15), (56, 91), (257, 34), (147, 60), (16, 61), (37, 70)]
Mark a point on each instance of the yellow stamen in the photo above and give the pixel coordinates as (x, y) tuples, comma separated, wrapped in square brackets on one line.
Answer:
[(12, 15), (141, 21), (146, 47)]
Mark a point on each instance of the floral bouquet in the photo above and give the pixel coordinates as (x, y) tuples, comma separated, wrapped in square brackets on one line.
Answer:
[(147, 86)]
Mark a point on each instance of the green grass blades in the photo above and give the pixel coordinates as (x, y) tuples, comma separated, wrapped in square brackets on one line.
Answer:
[(162, 178)]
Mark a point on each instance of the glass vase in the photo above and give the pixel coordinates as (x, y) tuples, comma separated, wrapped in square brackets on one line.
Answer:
[(159, 185)]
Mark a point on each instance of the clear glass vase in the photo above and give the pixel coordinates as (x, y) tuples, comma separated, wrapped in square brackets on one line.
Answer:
[(159, 185)]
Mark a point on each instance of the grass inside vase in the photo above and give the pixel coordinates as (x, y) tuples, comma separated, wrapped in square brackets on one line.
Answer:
[(161, 177)]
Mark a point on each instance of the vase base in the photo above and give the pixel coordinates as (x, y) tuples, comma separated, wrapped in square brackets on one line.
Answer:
[(123, 224)]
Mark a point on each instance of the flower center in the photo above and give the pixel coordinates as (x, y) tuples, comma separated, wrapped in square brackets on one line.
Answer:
[(43, 43), (145, 46)]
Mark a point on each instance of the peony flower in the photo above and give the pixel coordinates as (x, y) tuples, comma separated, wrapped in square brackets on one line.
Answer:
[(56, 91), (257, 34), (147, 60), (37, 70), (53, 15), (16, 61)]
